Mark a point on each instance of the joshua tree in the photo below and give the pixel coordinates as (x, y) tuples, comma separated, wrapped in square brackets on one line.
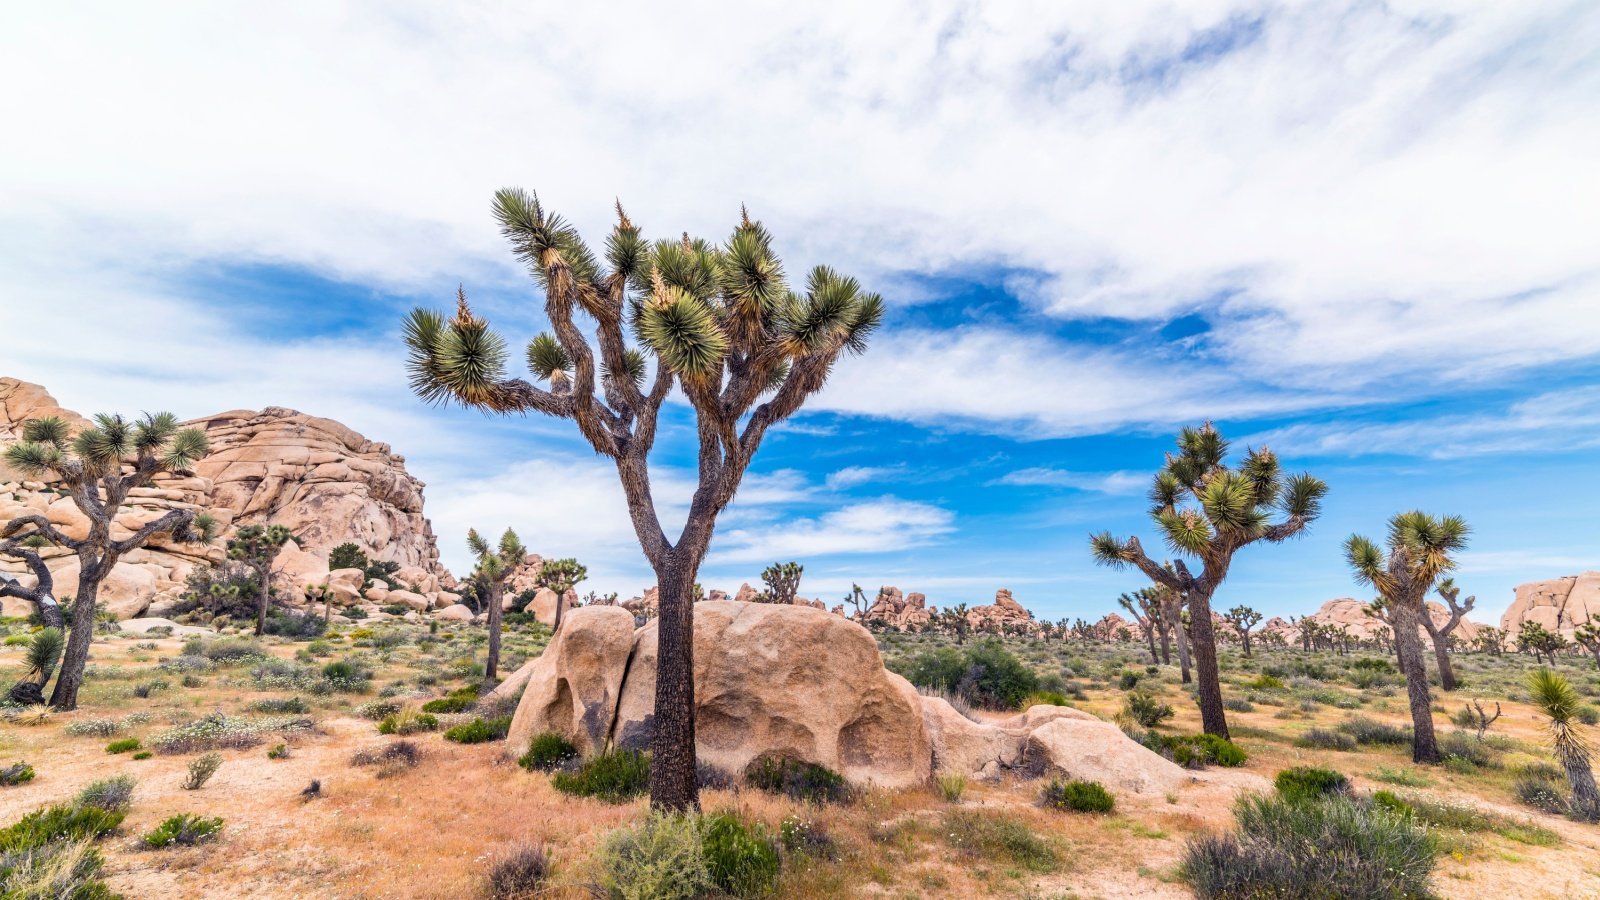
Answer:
[(1554, 697), (42, 594), (1588, 636), (1440, 634), (858, 599), (561, 576), (1419, 552), (1540, 641), (1492, 641), (44, 651), (1481, 720), (723, 325), (1145, 610), (494, 566), (1243, 618), (782, 581), (1209, 512), (98, 468), (257, 546), (954, 620)]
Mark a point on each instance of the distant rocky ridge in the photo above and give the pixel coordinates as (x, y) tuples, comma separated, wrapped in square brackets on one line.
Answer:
[(323, 481), (1560, 604)]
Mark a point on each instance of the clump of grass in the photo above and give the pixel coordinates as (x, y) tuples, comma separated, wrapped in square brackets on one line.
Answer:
[(741, 859), (547, 752), (1326, 739), (1144, 708), (479, 731), (143, 754), (520, 873), (1333, 847), (16, 773), (798, 779), (278, 751), (1078, 796), (998, 837), (615, 776), (951, 786), (660, 857), (1371, 731), (114, 794), (456, 701), (184, 830), (804, 835), (1540, 792), (408, 721), (1196, 751), (93, 728), (62, 822), (29, 716), (1303, 783), (1402, 777), (1471, 819), (126, 745), (200, 771), (1045, 698)]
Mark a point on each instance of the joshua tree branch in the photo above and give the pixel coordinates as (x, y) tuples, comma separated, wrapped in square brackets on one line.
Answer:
[(42, 527), (174, 521)]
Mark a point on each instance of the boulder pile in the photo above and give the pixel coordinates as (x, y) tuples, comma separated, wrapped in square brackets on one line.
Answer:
[(907, 612), (1560, 604), (1003, 613)]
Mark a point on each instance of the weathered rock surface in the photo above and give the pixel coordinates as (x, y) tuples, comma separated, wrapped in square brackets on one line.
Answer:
[(573, 687), (907, 612), (320, 479), (1560, 604), (544, 603), (1092, 750), (1350, 614), (1003, 613)]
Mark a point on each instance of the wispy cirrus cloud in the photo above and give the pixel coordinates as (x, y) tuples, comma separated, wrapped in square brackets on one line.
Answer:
[(1100, 482)]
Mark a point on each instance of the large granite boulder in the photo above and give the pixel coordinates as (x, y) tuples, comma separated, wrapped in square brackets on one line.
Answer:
[(1092, 750), (1560, 604), (573, 687)]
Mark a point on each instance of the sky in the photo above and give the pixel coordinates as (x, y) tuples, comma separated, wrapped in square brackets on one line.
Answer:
[(1364, 234)]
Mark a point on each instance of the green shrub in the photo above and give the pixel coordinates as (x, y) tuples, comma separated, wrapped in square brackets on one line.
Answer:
[(1325, 739), (1196, 751), (1338, 847), (16, 773), (1267, 683), (65, 870), (615, 776), (951, 786), (660, 858), (996, 837), (459, 701), (799, 780), (1458, 745), (63, 822), (1309, 783), (547, 752), (183, 829), (1045, 698), (408, 721), (520, 874), (143, 754), (123, 746), (112, 794), (986, 674), (741, 859), (200, 771), (1541, 793), (1145, 709), (1128, 680), (1238, 704), (1371, 731), (479, 731), (1078, 796), (378, 710), (280, 705), (278, 751)]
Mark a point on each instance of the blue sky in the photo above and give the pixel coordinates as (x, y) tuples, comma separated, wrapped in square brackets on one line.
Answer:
[(1361, 234)]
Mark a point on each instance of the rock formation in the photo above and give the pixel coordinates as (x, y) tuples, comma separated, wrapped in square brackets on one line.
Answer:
[(321, 480), (906, 612), (1349, 613), (1560, 604), (1005, 611)]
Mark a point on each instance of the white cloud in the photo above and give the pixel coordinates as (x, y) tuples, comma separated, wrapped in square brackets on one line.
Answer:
[(855, 476), (1100, 482), (1550, 422), (877, 526)]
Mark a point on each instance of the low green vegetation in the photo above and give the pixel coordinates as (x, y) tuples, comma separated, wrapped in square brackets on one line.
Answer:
[(547, 752), (479, 731), (182, 830), (615, 776), (798, 780), (1076, 796)]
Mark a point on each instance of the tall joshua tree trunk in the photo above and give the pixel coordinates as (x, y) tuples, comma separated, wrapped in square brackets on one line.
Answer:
[(1212, 716), (672, 742), (1441, 651), (1409, 653), (491, 666)]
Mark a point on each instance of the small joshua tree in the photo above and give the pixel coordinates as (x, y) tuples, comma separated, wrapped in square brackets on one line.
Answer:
[(1588, 636), (1419, 551), (257, 546), (782, 581), (724, 327), (98, 468), (1492, 641), (494, 567), (954, 620), (1243, 618), (1146, 611), (1543, 643), (1480, 718), (1554, 696), (1209, 512), (858, 599), (561, 576), (44, 651), (1440, 634)]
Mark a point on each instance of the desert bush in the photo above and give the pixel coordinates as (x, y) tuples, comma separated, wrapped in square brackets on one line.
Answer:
[(454, 702), (951, 786), (1326, 739), (184, 830), (143, 754), (1459, 745), (986, 674), (1045, 698), (547, 752), (615, 776), (408, 721), (93, 728), (1238, 704), (1338, 847), (218, 731), (113, 794), (1541, 792), (1078, 796), (1142, 707), (1303, 783), (798, 780), (391, 760), (64, 869), (479, 731), (296, 626), (280, 705), (62, 822), (993, 837), (1267, 683), (741, 859), (520, 873), (16, 773), (378, 710), (126, 745), (660, 858), (147, 688), (227, 650), (200, 771), (278, 751), (1196, 751), (1371, 731)]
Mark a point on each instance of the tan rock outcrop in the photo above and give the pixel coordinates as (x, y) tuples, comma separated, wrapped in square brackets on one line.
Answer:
[(543, 605), (1560, 604), (1092, 750), (457, 613), (1003, 613), (1350, 614), (573, 687), (907, 612)]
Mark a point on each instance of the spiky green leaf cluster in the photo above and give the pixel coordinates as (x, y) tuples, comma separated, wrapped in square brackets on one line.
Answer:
[(107, 444)]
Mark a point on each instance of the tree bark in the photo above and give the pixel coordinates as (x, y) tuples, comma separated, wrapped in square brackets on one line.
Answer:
[(491, 666), (672, 765), (80, 634), (1166, 641), (1214, 719), (1408, 650), (1441, 653), (261, 599), (1183, 651)]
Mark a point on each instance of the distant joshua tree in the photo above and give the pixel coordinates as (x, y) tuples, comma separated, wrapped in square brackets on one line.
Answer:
[(1588, 637), (1146, 612), (560, 576), (1440, 634), (494, 567), (725, 328), (1208, 512), (782, 581), (1418, 552), (257, 546), (1243, 618), (858, 599), (98, 468), (1554, 696), (1540, 641)]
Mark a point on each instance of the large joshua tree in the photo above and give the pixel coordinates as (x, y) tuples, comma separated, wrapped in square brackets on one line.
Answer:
[(1208, 512), (98, 467), (1440, 634), (724, 327), (494, 567), (1417, 553)]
